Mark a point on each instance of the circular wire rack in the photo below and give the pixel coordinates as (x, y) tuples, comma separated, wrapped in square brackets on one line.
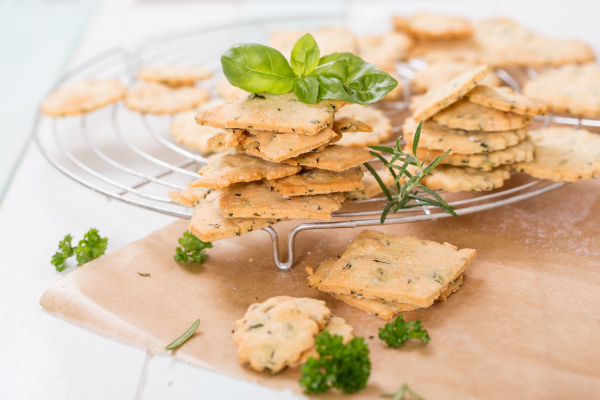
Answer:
[(132, 157)]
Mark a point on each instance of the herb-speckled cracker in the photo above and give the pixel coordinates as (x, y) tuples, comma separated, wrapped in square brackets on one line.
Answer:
[(209, 223), (440, 97), (522, 152), (276, 333), (574, 89), (224, 169), (186, 131), (173, 75), (224, 140), (381, 131), (507, 101), (438, 137), (371, 187), (257, 200), (333, 158), (432, 26), (275, 113), (563, 155), (82, 97), (457, 179), (474, 117), (229, 92), (441, 72), (155, 98), (189, 197), (317, 181), (350, 124), (401, 269)]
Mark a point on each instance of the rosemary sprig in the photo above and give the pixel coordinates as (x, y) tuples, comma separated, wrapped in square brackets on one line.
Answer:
[(406, 195), (184, 337), (399, 394)]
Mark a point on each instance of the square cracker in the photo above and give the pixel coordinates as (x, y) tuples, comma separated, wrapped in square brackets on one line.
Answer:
[(209, 223), (317, 181), (474, 117), (275, 113), (231, 167), (257, 200), (508, 101), (440, 97), (401, 269), (333, 158)]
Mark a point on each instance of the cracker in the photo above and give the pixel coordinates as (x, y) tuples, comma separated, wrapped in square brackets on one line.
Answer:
[(371, 187), (189, 197), (276, 333), (333, 158), (396, 93), (434, 26), (82, 97), (574, 89), (400, 269), (330, 40), (563, 155), (469, 116), (441, 72), (257, 200), (317, 181), (457, 179), (522, 152), (381, 126), (440, 97), (438, 137), (186, 131), (346, 124), (384, 50), (154, 98), (209, 223), (229, 92), (505, 101), (225, 140), (231, 167), (173, 75), (275, 113)]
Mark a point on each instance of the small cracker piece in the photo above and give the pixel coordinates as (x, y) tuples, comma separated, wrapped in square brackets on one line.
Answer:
[(563, 155), (505, 101), (441, 72), (231, 167), (434, 26), (274, 113), (440, 97), (257, 200), (333, 158), (173, 75), (349, 124), (381, 126), (317, 181), (186, 131), (154, 98), (189, 197), (276, 333), (371, 187), (82, 97), (438, 137), (524, 151), (469, 116), (457, 179), (400, 269), (384, 50)]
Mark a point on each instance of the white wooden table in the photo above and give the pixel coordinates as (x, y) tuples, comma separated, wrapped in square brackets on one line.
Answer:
[(43, 357)]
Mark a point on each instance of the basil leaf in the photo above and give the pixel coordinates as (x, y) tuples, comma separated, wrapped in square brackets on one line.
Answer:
[(307, 89), (305, 55), (257, 69), (344, 76)]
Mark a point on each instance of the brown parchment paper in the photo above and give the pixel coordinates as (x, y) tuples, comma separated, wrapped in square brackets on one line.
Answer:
[(526, 323)]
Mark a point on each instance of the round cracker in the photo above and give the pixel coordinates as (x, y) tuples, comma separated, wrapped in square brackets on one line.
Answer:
[(507, 101), (155, 98), (432, 26), (474, 117), (82, 97), (458, 179), (441, 72), (173, 75), (382, 126)]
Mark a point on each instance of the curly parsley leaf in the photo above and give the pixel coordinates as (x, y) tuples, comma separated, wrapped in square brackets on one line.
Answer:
[(343, 366), (65, 250), (399, 394), (193, 249), (90, 247), (396, 333)]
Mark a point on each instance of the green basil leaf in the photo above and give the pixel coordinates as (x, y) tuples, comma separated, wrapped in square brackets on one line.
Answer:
[(305, 56), (307, 89), (257, 69)]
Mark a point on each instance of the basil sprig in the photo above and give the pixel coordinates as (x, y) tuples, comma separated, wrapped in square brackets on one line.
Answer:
[(339, 76)]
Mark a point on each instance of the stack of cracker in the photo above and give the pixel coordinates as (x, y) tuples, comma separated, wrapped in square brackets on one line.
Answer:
[(385, 274), (279, 163), (486, 129)]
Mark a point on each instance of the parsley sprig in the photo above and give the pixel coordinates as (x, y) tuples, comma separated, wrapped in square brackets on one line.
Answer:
[(89, 248), (401, 195), (193, 249), (343, 366), (399, 394), (396, 333)]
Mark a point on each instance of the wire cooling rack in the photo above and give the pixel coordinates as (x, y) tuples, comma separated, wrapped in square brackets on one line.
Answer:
[(131, 157)]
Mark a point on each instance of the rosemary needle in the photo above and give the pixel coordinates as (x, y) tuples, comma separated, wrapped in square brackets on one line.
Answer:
[(183, 338)]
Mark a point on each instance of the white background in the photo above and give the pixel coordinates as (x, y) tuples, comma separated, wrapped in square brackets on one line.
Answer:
[(45, 357)]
